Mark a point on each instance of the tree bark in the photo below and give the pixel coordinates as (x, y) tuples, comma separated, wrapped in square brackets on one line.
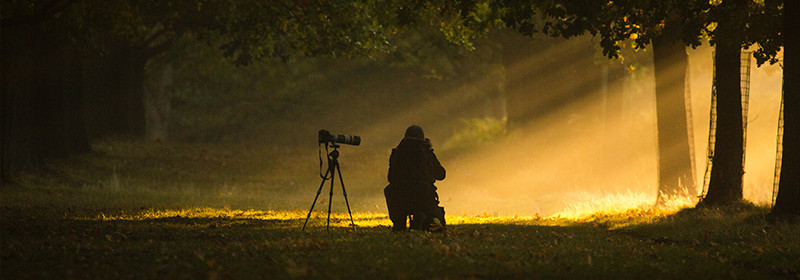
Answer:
[(674, 156), (115, 86), (727, 165), (131, 88), (725, 185), (788, 201), (42, 99)]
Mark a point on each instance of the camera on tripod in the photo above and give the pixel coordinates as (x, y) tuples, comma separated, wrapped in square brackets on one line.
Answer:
[(326, 137)]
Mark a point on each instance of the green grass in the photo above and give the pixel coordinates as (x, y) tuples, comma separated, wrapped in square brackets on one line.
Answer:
[(177, 211)]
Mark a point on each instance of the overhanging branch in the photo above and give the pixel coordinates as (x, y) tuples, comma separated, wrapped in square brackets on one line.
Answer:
[(47, 11)]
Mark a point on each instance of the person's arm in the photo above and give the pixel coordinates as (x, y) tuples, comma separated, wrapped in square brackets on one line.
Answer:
[(438, 170), (391, 176)]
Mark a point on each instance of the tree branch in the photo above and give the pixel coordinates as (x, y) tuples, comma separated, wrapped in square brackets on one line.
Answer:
[(47, 11)]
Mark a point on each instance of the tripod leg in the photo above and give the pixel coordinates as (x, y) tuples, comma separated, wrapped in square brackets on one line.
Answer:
[(330, 198), (341, 180), (316, 197)]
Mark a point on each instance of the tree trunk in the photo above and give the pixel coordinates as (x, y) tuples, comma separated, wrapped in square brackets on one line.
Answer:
[(42, 99), (132, 90), (727, 167), (674, 156), (116, 92), (127, 63), (788, 201), (725, 185)]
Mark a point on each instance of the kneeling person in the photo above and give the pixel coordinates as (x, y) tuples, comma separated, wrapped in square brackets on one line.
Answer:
[(413, 168)]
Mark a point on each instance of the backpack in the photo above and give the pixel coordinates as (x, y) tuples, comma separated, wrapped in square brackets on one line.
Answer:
[(432, 220)]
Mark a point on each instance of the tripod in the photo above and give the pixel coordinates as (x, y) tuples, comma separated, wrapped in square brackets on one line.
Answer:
[(333, 168)]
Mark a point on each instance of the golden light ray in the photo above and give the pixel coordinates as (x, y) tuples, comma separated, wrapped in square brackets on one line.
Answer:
[(569, 162)]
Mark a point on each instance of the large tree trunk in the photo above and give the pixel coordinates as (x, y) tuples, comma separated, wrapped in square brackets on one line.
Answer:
[(727, 167), (116, 92), (675, 174), (788, 201), (42, 98), (131, 87), (725, 185)]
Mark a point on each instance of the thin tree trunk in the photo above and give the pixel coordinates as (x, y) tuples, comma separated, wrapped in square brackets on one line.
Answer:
[(727, 168), (788, 201), (725, 185)]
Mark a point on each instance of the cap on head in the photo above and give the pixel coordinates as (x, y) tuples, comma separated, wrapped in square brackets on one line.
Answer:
[(415, 131)]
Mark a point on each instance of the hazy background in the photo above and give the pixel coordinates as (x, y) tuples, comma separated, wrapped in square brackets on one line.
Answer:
[(566, 159)]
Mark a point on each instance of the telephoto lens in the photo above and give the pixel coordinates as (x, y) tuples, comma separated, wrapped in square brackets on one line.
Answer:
[(347, 139), (326, 137)]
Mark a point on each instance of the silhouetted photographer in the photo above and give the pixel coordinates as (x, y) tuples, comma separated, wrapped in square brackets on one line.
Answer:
[(413, 168)]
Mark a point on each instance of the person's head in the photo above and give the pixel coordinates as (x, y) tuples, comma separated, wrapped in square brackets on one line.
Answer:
[(415, 131)]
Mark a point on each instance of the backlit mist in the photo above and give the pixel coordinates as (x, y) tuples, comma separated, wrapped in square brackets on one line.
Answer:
[(570, 161)]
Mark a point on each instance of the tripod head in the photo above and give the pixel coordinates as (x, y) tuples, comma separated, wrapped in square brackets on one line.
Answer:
[(331, 156), (335, 153)]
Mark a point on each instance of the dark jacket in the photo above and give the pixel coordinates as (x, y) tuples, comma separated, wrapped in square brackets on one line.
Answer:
[(413, 162), (413, 168)]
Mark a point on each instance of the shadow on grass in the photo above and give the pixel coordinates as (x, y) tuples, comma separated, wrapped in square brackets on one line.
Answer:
[(246, 244)]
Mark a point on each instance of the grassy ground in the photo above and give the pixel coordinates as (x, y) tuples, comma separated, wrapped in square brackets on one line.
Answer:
[(145, 211)]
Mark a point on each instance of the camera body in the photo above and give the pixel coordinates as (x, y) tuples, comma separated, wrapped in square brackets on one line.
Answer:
[(326, 137)]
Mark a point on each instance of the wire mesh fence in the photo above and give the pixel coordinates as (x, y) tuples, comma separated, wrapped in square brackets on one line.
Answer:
[(744, 72), (778, 154)]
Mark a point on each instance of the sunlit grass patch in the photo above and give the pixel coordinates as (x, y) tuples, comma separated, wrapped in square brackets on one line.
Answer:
[(202, 212), (317, 217), (624, 207), (617, 209), (290, 218)]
